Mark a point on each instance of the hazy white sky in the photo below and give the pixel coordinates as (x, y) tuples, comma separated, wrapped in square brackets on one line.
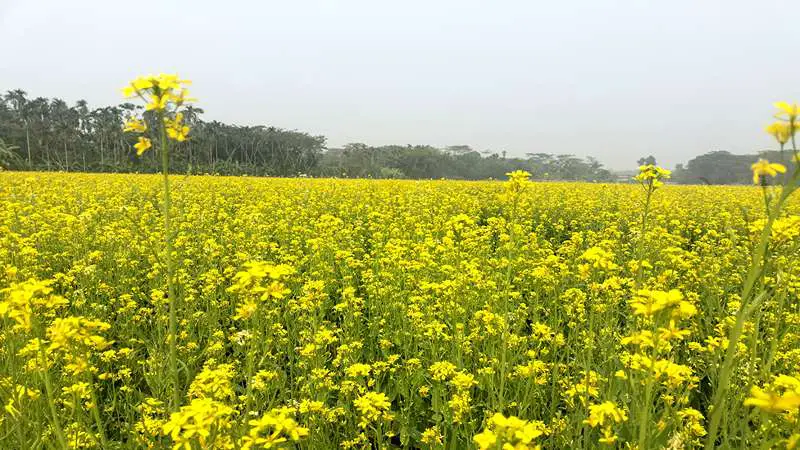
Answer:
[(613, 79)]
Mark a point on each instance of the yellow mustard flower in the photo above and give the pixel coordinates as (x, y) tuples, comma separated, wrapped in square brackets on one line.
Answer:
[(509, 432), (142, 145), (135, 125), (781, 131), (762, 167), (371, 406), (773, 402), (788, 110)]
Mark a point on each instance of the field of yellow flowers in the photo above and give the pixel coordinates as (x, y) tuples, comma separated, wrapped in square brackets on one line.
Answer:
[(323, 314)]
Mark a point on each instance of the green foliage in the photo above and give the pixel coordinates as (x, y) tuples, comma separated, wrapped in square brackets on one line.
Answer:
[(721, 167), (48, 134), (456, 162), (647, 160), (9, 159)]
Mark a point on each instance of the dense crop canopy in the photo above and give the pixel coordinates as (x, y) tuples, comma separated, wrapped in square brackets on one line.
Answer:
[(350, 314)]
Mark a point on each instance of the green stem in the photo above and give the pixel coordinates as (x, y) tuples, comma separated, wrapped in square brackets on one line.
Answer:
[(754, 273), (644, 418), (173, 322), (513, 239), (51, 401), (96, 414), (638, 250)]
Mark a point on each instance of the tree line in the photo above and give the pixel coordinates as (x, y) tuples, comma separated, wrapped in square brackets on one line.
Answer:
[(454, 162), (49, 134), (722, 167)]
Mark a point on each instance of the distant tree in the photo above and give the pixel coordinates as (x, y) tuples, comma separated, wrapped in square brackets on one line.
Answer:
[(650, 159), (18, 101), (9, 159), (717, 167), (458, 149), (48, 134), (391, 173)]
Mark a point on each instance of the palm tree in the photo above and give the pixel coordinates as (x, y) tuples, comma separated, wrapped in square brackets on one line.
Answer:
[(39, 118), (8, 155), (63, 126), (54, 135), (81, 116), (18, 98), (191, 116)]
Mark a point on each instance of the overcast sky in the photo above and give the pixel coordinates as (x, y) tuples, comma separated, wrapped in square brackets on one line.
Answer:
[(612, 79)]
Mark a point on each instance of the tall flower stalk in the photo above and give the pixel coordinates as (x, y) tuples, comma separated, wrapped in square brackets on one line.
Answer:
[(165, 95), (752, 293), (518, 180), (650, 178)]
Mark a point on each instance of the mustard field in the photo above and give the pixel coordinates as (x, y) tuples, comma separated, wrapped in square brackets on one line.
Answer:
[(365, 314)]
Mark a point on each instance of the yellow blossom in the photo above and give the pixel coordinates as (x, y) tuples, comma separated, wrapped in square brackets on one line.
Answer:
[(773, 402), (765, 168), (371, 407), (273, 429), (781, 131), (203, 421), (788, 110), (142, 145), (605, 413), (135, 125), (509, 432), (176, 130)]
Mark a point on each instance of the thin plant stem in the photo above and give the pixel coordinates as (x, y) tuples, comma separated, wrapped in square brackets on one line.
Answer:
[(48, 386), (640, 241), (96, 415), (754, 273), (509, 274), (644, 418), (173, 322)]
